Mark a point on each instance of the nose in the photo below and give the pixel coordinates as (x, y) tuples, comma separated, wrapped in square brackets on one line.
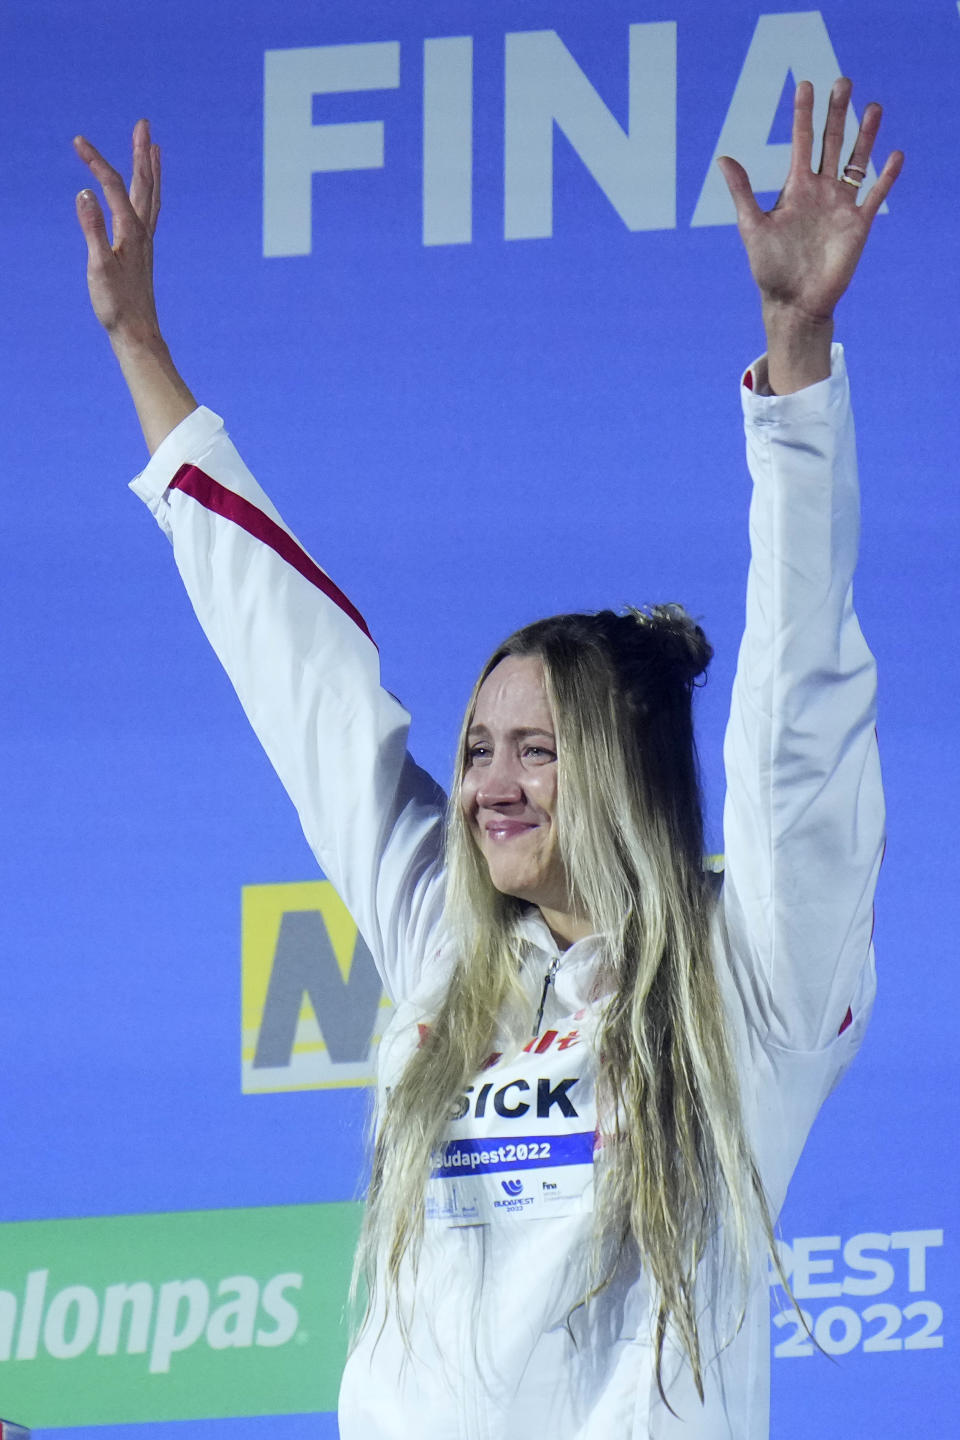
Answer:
[(500, 783)]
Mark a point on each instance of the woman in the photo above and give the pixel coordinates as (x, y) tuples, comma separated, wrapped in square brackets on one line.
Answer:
[(599, 1075)]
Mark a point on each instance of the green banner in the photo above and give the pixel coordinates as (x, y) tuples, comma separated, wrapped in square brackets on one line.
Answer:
[(183, 1316)]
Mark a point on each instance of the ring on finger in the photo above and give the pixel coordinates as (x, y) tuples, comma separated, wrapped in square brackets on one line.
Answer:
[(849, 180)]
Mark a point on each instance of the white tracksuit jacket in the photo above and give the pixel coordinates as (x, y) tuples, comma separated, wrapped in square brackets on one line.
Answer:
[(509, 1210)]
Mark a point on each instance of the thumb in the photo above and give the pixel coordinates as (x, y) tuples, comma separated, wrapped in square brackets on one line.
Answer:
[(93, 225), (738, 183)]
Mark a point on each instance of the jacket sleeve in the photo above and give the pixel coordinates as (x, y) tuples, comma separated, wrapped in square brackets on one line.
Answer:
[(307, 675), (803, 820)]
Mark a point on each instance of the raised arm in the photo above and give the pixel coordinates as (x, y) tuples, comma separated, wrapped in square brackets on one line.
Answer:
[(297, 652), (803, 821), (120, 280)]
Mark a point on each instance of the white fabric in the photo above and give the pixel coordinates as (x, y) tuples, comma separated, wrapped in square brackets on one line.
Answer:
[(492, 1354)]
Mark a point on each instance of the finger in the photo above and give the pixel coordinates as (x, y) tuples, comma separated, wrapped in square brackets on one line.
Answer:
[(155, 196), (141, 183), (835, 126), (883, 186), (94, 227), (122, 212), (801, 153), (866, 135), (738, 183)]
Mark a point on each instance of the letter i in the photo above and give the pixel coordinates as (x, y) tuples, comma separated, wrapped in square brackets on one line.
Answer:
[(448, 140)]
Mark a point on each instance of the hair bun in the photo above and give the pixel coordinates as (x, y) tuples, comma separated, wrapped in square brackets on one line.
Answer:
[(684, 649)]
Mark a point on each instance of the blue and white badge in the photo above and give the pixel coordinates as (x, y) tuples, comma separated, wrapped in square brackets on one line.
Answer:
[(478, 1181), (521, 1145)]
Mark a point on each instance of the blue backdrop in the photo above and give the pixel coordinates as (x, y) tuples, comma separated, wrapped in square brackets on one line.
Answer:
[(479, 393)]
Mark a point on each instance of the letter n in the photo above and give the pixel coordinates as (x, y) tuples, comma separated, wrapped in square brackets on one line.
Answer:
[(635, 168), (304, 965)]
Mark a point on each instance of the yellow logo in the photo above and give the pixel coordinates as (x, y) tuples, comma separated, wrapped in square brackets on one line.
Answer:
[(313, 1003)]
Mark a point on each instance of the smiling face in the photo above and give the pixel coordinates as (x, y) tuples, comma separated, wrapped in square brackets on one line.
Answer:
[(509, 788)]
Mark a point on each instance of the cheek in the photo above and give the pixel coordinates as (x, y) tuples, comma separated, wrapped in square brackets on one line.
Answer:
[(468, 798), (543, 791)]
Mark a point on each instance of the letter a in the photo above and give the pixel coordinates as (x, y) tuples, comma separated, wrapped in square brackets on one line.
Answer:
[(796, 45)]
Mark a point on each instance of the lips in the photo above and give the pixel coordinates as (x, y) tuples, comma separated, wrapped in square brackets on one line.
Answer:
[(499, 830)]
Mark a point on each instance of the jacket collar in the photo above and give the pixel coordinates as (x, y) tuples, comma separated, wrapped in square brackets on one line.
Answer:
[(576, 977)]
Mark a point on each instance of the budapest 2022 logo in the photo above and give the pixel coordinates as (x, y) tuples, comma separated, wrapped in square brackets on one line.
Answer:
[(838, 1283)]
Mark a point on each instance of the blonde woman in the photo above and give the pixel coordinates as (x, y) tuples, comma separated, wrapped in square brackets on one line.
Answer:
[(603, 1065)]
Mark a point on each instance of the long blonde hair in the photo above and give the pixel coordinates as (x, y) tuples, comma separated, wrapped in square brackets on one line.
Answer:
[(677, 1170)]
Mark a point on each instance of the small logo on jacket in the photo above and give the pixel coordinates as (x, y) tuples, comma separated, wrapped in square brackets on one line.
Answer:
[(512, 1187)]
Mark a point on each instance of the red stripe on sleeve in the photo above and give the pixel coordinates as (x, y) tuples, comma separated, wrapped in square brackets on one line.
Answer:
[(216, 497)]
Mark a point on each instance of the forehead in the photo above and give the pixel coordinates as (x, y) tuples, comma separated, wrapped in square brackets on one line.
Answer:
[(514, 696)]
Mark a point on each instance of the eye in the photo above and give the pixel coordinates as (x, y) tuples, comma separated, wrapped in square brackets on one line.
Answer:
[(538, 753), (478, 753)]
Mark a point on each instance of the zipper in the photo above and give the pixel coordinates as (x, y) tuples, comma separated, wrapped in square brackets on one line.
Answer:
[(472, 1420), (548, 980)]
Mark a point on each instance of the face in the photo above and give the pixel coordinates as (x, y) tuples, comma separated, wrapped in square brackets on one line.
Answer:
[(509, 787)]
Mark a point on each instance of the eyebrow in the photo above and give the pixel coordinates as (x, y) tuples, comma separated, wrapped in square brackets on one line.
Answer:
[(522, 732)]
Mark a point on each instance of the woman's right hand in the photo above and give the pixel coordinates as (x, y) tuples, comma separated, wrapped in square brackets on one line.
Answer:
[(120, 280), (120, 275)]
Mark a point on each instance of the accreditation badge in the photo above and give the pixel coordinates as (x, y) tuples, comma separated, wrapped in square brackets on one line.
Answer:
[(521, 1146)]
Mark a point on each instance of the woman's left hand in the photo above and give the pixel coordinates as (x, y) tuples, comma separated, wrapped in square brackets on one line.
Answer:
[(803, 252)]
